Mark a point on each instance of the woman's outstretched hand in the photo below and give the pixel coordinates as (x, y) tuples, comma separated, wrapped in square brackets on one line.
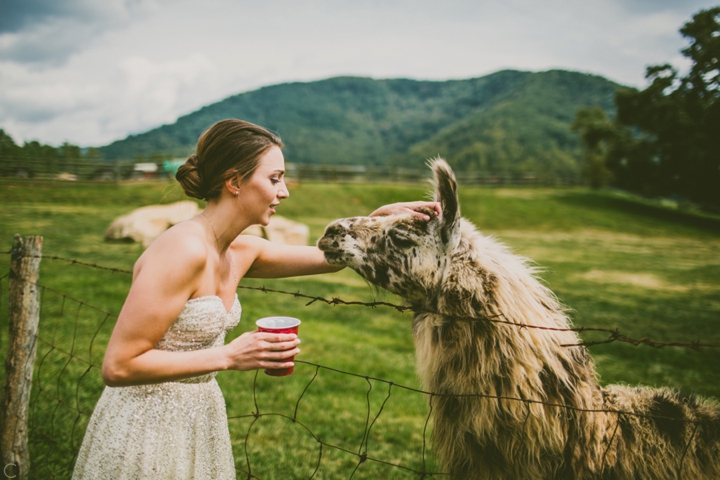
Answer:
[(408, 207), (253, 350)]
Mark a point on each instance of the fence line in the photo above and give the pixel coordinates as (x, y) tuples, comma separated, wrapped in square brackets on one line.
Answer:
[(71, 354), (614, 334), (360, 173), (122, 170), (66, 357)]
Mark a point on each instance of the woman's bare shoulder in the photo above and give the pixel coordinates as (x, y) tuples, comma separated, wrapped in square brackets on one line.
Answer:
[(182, 245)]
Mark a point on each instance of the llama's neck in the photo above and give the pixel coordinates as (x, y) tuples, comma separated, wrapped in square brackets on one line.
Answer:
[(484, 289)]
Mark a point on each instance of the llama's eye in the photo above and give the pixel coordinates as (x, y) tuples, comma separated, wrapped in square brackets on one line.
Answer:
[(401, 239)]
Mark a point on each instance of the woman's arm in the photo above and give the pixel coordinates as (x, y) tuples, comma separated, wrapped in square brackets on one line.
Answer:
[(275, 260), (166, 276)]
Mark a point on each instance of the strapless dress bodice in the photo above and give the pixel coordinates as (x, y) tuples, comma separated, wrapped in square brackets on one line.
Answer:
[(202, 323)]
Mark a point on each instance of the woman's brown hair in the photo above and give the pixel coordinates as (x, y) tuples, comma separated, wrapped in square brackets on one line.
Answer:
[(228, 148)]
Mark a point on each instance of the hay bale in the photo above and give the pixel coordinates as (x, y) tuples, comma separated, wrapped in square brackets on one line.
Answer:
[(282, 230), (147, 223)]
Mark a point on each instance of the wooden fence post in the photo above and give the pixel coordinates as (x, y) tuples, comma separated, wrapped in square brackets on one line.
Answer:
[(24, 315)]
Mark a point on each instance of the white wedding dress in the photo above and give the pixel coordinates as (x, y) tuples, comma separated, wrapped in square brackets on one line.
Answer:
[(172, 430)]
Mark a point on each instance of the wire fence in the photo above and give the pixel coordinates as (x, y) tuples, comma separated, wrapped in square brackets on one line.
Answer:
[(614, 335), (67, 383), (122, 170)]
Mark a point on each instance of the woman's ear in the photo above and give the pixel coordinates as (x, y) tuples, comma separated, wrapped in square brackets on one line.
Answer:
[(233, 185)]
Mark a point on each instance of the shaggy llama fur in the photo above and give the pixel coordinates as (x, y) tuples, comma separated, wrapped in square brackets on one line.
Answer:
[(512, 403)]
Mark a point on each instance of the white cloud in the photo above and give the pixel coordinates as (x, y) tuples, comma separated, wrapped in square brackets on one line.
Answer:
[(155, 90), (93, 72), (135, 95)]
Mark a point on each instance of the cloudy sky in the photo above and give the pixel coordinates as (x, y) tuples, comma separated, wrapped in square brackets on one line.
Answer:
[(93, 71)]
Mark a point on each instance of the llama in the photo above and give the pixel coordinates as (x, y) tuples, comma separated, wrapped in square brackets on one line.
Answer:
[(515, 403)]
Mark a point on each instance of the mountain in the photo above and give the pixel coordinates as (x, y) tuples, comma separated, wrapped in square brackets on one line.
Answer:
[(509, 121)]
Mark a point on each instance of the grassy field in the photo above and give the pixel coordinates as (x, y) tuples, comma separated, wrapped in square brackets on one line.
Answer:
[(614, 261)]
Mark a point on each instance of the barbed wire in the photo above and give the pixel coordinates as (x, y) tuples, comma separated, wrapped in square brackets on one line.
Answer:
[(615, 335), (72, 261), (78, 411)]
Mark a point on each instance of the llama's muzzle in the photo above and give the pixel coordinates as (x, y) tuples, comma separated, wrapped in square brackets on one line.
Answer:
[(329, 243)]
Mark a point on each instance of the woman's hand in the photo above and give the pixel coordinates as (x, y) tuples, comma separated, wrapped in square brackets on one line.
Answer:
[(253, 350), (408, 207)]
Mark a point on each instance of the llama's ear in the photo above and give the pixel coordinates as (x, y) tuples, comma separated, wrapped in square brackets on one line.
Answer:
[(446, 193)]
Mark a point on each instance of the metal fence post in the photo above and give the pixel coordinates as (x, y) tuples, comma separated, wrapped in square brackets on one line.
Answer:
[(24, 315)]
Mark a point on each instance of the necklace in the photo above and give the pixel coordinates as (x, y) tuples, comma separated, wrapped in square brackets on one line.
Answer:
[(232, 270)]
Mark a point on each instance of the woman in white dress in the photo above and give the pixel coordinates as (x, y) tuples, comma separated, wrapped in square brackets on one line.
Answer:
[(162, 414)]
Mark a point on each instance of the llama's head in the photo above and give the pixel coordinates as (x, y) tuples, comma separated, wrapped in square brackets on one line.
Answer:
[(400, 253)]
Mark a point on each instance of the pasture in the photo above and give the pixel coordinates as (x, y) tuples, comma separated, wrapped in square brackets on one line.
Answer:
[(613, 260)]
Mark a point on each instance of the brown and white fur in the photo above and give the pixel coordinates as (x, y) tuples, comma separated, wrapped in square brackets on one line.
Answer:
[(492, 382)]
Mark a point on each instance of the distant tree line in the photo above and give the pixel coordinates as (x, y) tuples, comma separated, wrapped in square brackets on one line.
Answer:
[(34, 159), (36, 150), (664, 140)]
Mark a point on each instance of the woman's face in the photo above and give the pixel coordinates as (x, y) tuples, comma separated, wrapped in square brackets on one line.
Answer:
[(263, 191)]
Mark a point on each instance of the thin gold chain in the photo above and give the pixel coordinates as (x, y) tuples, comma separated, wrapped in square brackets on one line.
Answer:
[(227, 253)]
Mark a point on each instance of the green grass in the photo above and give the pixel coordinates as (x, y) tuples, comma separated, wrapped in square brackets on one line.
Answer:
[(614, 261)]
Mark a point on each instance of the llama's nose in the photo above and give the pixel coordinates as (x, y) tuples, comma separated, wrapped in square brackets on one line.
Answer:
[(329, 241)]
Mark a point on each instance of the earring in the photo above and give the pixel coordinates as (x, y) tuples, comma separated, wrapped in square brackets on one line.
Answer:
[(237, 192)]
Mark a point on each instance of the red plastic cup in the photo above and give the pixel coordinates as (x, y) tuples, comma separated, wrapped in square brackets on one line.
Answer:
[(279, 325)]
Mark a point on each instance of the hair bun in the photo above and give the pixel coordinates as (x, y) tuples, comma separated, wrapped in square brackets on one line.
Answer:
[(191, 179), (192, 160)]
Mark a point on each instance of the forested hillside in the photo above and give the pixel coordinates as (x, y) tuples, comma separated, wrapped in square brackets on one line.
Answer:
[(509, 121)]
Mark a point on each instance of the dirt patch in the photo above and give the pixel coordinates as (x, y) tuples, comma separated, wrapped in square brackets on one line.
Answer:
[(641, 280), (591, 235), (522, 193), (684, 250)]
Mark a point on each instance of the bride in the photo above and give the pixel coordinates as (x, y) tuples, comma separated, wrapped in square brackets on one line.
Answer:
[(162, 414)]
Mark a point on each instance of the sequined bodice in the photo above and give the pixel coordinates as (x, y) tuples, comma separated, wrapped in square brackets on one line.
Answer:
[(202, 323)]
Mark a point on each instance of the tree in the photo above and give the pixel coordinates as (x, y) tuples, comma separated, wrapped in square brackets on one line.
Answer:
[(34, 157), (69, 151), (598, 136), (93, 154), (670, 131), (8, 148)]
